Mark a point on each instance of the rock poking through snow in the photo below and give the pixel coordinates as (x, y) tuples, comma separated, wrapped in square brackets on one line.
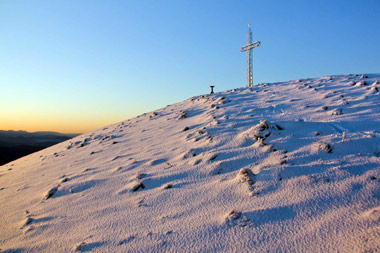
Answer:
[(51, 192)]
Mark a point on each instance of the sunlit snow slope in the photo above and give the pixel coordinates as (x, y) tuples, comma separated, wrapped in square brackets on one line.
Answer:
[(291, 166)]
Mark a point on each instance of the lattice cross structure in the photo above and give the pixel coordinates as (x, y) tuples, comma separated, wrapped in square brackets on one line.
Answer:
[(250, 45)]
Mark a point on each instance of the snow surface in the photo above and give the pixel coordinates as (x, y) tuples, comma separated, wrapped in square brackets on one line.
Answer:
[(290, 166)]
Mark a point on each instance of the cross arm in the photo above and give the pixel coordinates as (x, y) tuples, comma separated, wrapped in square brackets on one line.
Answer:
[(250, 46)]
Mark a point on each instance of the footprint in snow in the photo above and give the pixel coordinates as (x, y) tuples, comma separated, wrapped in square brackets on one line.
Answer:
[(235, 218), (188, 154), (83, 186)]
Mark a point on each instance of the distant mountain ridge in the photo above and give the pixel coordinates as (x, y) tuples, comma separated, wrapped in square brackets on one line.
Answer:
[(16, 144)]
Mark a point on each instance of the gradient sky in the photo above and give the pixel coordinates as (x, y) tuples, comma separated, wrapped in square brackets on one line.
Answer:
[(74, 66)]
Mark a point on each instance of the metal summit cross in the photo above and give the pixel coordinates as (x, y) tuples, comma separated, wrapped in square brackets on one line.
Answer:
[(250, 45)]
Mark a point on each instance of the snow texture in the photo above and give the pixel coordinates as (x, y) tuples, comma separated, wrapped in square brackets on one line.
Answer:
[(291, 166)]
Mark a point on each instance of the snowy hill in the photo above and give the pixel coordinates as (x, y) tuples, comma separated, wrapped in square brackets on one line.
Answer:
[(290, 166)]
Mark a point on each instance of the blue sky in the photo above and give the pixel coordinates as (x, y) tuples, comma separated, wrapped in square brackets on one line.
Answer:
[(74, 66)]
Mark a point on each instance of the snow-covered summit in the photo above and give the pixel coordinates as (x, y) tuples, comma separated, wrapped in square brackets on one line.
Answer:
[(290, 166)]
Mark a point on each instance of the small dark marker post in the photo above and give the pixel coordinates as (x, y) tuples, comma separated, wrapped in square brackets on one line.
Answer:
[(212, 89)]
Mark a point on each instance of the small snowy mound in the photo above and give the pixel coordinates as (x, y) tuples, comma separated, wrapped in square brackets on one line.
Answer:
[(283, 167)]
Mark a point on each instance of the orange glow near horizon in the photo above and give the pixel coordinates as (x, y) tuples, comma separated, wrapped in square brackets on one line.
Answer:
[(61, 124)]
